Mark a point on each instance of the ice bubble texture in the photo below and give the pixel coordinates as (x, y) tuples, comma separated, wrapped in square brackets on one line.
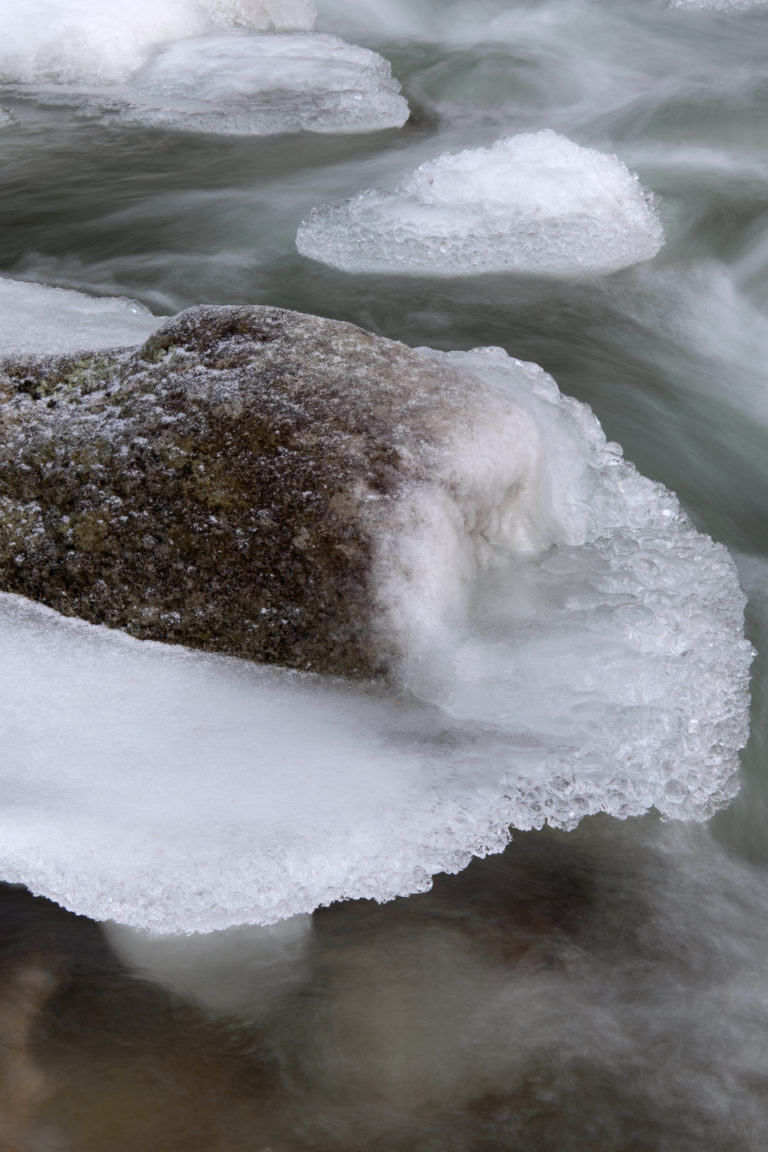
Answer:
[(535, 203), (35, 318), (591, 658)]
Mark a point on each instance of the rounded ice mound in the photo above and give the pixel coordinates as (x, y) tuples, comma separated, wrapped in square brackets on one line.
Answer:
[(535, 204), (243, 85), (567, 644), (104, 41), (35, 318)]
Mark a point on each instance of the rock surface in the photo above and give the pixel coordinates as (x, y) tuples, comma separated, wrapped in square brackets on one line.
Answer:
[(224, 485)]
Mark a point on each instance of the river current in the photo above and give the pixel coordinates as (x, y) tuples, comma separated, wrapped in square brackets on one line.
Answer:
[(603, 987)]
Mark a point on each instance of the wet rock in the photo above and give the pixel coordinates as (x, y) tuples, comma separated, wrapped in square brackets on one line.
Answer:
[(227, 485)]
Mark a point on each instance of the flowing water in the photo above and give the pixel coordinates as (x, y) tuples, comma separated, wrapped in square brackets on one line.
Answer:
[(604, 987)]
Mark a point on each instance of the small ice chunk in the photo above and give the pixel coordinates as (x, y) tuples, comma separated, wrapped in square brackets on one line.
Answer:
[(35, 318), (535, 203), (257, 85)]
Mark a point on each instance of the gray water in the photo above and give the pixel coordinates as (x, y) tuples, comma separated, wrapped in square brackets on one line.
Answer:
[(600, 989)]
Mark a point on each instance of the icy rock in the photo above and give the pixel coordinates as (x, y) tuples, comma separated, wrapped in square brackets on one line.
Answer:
[(233, 484), (35, 318), (559, 639), (535, 203)]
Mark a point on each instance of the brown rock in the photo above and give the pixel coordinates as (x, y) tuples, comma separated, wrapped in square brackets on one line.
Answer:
[(224, 485)]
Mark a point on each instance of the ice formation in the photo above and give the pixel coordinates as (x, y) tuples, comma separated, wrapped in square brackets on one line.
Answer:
[(575, 648), (35, 318), (104, 41), (535, 203), (197, 65), (241, 85)]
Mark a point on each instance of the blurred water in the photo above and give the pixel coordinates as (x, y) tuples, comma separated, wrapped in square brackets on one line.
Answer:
[(602, 989)]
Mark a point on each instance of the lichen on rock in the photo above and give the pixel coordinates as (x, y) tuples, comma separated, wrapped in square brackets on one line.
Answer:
[(227, 485)]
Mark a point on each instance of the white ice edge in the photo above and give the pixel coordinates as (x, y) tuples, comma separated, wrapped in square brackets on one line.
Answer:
[(35, 318), (570, 645)]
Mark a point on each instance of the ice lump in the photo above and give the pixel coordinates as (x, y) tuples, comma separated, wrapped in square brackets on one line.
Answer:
[(259, 85), (536, 204)]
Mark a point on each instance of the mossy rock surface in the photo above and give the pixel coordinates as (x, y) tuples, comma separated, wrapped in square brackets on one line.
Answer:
[(223, 486)]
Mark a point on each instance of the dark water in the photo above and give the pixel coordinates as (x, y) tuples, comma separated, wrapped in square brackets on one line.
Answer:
[(601, 989)]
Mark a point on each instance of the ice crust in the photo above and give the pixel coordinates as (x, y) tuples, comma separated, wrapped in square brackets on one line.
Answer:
[(35, 318), (578, 648), (535, 203)]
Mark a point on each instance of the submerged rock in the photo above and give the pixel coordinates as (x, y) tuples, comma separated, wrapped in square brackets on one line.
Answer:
[(230, 484)]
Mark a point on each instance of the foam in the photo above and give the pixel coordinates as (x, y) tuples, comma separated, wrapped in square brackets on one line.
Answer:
[(535, 203), (35, 318), (568, 644), (104, 41), (244, 85)]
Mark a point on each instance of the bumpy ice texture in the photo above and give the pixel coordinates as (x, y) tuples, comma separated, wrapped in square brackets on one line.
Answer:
[(535, 203), (104, 41), (35, 318), (566, 643)]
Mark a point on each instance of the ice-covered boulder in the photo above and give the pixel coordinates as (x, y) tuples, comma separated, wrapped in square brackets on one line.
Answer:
[(536, 204), (557, 638), (233, 483)]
